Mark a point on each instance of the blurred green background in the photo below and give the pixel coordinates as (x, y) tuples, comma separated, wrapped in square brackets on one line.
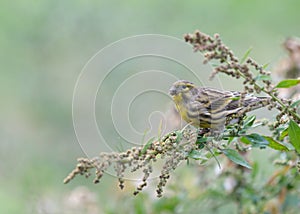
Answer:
[(44, 46)]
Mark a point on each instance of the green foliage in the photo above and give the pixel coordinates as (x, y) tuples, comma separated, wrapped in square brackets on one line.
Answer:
[(236, 157), (284, 133), (261, 77), (261, 141), (167, 205), (275, 144), (248, 122), (294, 134), (295, 104), (197, 155), (147, 145), (256, 140), (246, 55), (288, 83)]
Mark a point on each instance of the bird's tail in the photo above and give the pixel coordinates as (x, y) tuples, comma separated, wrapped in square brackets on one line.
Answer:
[(256, 102)]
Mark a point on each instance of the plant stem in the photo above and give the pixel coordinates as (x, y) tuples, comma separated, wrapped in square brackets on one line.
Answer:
[(294, 114)]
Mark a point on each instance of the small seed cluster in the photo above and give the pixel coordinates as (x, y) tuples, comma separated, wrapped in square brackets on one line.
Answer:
[(172, 149)]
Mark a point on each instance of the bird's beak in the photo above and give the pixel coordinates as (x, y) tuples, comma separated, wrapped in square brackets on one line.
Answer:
[(172, 91)]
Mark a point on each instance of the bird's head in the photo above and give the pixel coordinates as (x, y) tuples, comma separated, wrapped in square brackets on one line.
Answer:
[(181, 87)]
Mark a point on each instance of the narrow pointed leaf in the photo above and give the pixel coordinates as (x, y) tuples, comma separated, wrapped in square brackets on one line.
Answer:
[(288, 83), (236, 157), (275, 144), (295, 104), (147, 145), (197, 155), (284, 133), (255, 140), (246, 55), (248, 122), (263, 77), (294, 134), (265, 66)]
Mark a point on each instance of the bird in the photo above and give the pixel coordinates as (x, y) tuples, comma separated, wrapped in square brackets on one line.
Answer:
[(209, 108)]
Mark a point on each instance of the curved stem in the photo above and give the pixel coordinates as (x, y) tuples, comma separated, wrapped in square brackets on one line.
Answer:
[(294, 114)]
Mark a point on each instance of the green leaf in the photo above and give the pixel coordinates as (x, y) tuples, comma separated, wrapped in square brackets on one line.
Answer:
[(263, 77), (144, 135), (294, 134), (160, 130), (288, 83), (147, 145), (214, 64), (202, 140), (236, 157), (275, 145), (197, 155), (245, 140), (255, 140), (255, 170), (230, 139), (259, 123), (246, 55), (284, 133), (165, 205), (248, 122), (295, 104), (138, 205), (179, 136), (235, 98), (265, 66)]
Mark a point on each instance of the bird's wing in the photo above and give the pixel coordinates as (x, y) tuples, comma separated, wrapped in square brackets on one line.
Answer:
[(249, 100), (219, 103), (197, 109)]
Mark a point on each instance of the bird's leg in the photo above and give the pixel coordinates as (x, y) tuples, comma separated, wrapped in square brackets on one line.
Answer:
[(218, 132)]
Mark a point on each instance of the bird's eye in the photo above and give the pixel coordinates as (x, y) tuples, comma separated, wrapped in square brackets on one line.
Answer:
[(184, 87)]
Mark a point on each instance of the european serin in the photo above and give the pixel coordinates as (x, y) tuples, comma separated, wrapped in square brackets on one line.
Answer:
[(210, 108)]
